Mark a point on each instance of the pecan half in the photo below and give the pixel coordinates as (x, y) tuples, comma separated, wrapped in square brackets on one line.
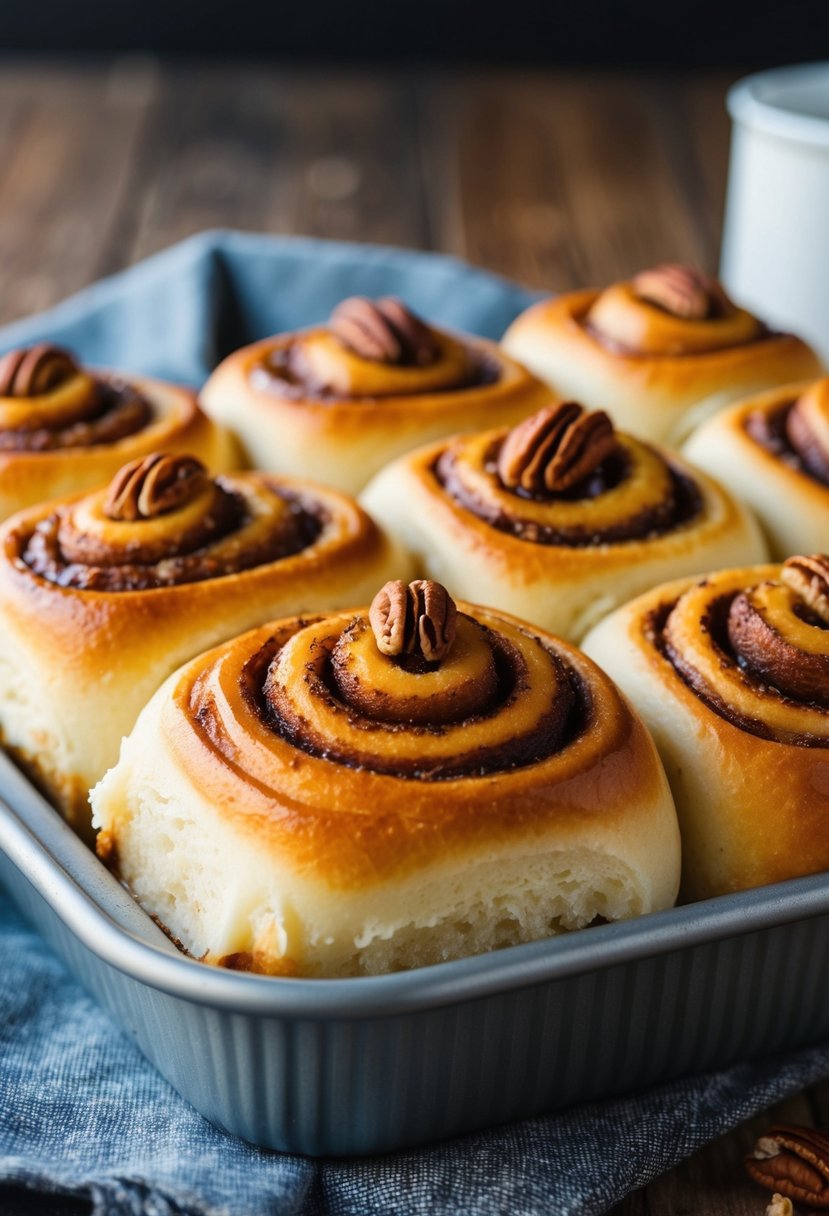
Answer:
[(794, 1162), (682, 291), (384, 330), (33, 370), (419, 619), (555, 449), (154, 485), (780, 1206), (808, 577)]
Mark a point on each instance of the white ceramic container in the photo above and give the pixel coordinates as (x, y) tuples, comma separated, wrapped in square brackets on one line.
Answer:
[(775, 255)]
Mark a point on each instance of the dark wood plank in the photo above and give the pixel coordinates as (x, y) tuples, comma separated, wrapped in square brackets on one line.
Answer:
[(270, 150), (68, 137), (358, 157), (709, 130), (566, 179)]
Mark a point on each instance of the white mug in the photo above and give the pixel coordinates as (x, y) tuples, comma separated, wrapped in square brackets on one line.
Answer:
[(775, 253)]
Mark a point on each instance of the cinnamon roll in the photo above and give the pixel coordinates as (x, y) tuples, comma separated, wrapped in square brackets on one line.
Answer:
[(102, 596), (387, 788), (559, 520), (65, 428), (339, 401), (731, 674), (660, 353), (773, 450)]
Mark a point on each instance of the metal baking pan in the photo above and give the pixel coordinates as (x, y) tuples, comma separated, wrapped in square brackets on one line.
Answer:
[(355, 1066)]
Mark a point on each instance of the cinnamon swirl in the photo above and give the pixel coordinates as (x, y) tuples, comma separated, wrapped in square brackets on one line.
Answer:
[(773, 450), (660, 353), (65, 428), (102, 596), (560, 519), (339, 401), (731, 674), (387, 788)]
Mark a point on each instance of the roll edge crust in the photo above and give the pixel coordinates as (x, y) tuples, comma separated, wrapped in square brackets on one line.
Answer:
[(322, 869), (752, 811), (661, 398), (343, 442)]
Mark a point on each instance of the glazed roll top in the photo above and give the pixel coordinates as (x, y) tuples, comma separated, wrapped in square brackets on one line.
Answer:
[(661, 351), (164, 521), (802, 431), (795, 429), (732, 675), (375, 348), (759, 654), (475, 700), (565, 476), (65, 428), (561, 518), (48, 401), (773, 450), (670, 310), (398, 786), (339, 400)]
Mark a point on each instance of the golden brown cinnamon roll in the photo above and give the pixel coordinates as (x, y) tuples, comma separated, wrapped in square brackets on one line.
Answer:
[(560, 519), (773, 450), (660, 353), (731, 674), (339, 401), (102, 596), (65, 428), (387, 788)]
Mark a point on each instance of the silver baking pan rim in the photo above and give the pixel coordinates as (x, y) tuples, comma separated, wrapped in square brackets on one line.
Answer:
[(102, 915)]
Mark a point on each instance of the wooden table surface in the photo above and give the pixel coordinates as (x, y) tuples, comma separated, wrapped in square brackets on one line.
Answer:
[(556, 179)]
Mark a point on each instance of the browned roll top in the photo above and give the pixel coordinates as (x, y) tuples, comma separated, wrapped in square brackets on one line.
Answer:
[(758, 655), (670, 310), (369, 350), (48, 402), (565, 477), (497, 698), (163, 521)]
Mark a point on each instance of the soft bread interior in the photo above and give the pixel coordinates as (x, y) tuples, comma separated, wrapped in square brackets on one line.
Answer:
[(225, 900), (33, 736)]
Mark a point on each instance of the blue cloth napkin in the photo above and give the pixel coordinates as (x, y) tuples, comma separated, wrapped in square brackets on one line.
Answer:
[(178, 313), (81, 1112)]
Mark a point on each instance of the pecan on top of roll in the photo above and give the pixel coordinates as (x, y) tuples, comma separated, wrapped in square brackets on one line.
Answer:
[(163, 521), (48, 402), (758, 652), (565, 477), (556, 449), (372, 349), (153, 486), (497, 698), (384, 330), (419, 619), (683, 291), (32, 371), (670, 310)]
